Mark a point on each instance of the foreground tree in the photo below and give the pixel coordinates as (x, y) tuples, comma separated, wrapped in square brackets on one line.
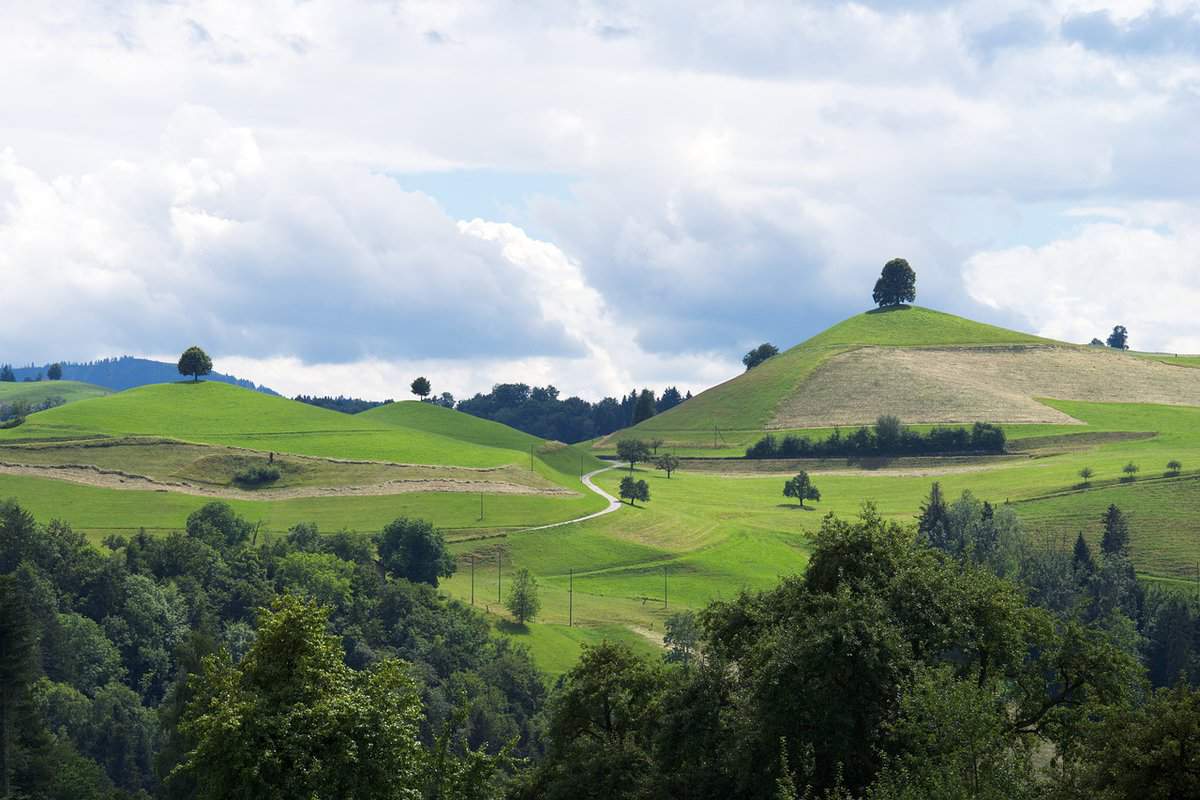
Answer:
[(633, 491), (522, 600), (54, 372), (292, 720), (414, 550), (1119, 338), (759, 354), (194, 362), (421, 387), (801, 488), (897, 284), (667, 463), (634, 451)]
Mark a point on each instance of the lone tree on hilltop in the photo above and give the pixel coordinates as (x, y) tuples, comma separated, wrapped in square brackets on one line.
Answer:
[(522, 600), (421, 388), (1086, 473), (1119, 338), (759, 354), (412, 549), (667, 463), (633, 451), (54, 372), (897, 284), (633, 491), (194, 362), (801, 488)]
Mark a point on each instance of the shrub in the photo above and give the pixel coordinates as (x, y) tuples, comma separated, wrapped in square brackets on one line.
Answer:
[(259, 475)]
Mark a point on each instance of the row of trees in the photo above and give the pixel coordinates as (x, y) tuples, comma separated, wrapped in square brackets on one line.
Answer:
[(888, 437), (54, 372), (1130, 471)]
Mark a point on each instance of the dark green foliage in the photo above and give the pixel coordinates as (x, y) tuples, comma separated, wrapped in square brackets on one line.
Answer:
[(194, 362), (1086, 474), (645, 408), (1082, 562), (897, 284), (54, 372), (682, 638), (414, 550), (421, 387), (634, 490), (668, 400), (801, 488), (346, 405), (1131, 470), (6, 374), (540, 411), (1173, 467), (522, 600), (634, 451), (1119, 338), (888, 438), (759, 354), (259, 475), (667, 463), (1116, 532)]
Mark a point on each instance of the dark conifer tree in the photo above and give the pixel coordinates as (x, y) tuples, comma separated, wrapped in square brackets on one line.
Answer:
[(1116, 532)]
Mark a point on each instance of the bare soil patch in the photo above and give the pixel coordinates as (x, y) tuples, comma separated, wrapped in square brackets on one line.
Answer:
[(979, 384)]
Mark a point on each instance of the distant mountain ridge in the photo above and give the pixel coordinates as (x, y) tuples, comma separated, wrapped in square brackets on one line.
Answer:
[(126, 372)]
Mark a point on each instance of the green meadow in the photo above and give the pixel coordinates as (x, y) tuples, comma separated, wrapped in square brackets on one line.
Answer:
[(40, 391)]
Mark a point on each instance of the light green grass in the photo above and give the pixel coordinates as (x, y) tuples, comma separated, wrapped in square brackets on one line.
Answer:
[(748, 402), (556, 648), (40, 391)]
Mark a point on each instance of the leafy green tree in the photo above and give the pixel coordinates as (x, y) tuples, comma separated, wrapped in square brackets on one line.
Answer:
[(1086, 474), (634, 451), (292, 720), (1116, 532), (421, 387), (897, 284), (801, 488), (634, 490), (18, 670), (194, 362), (682, 638), (1131, 470), (217, 525), (667, 463), (644, 408), (323, 577), (759, 354), (888, 430), (1174, 467), (523, 602), (54, 372), (413, 549), (1119, 338), (654, 444), (933, 524)]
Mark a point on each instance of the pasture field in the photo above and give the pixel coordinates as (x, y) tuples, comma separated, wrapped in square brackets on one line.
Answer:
[(39, 391)]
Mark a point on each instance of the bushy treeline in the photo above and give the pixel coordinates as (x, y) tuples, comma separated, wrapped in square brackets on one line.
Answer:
[(347, 405), (539, 411), (955, 658), (888, 437), (20, 409), (197, 663)]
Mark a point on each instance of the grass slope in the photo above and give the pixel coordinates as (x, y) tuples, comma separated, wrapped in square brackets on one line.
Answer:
[(749, 401), (39, 391)]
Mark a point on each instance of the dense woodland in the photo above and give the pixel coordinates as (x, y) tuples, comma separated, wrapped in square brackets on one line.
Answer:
[(888, 437), (957, 657)]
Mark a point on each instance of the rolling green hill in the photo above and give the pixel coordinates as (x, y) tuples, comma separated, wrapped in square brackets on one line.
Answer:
[(39, 391)]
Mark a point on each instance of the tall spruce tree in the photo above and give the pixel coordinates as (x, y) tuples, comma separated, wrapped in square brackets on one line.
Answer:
[(1116, 532)]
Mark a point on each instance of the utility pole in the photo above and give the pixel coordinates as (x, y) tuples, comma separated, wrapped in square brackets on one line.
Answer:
[(571, 599), (498, 575), (472, 579), (531, 458), (481, 506), (664, 587)]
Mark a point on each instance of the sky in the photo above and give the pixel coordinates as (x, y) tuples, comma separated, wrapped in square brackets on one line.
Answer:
[(333, 196)]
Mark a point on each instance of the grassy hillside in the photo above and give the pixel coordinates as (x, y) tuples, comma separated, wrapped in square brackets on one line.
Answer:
[(748, 402), (39, 391)]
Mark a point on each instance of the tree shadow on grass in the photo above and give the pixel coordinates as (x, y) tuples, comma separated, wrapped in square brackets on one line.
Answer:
[(795, 507), (890, 309), (512, 628)]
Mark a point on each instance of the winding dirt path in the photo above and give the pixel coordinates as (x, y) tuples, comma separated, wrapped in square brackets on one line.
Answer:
[(613, 503)]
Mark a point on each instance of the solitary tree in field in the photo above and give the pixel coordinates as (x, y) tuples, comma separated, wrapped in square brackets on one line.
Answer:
[(667, 463), (421, 388), (654, 445), (1130, 470), (759, 354), (522, 600), (1173, 467), (1086, 473), (633, 491), (194, 362), (1119, 338), (801, 488), (897, 284), (633, 451), (54, 372)]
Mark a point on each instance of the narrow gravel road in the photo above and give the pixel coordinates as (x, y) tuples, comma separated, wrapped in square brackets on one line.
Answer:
[(613, 503)]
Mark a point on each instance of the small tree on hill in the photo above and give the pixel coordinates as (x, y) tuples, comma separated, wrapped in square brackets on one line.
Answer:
[(1131, 470), (667, 463), (759, 354), (634, 490), (1119, 338), (1173, 467), (897, 284), (801, 488), (54, 372), (1086, 473), (654, 445), (523, 602), (194, 362), (633, 451), (421, 388)]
